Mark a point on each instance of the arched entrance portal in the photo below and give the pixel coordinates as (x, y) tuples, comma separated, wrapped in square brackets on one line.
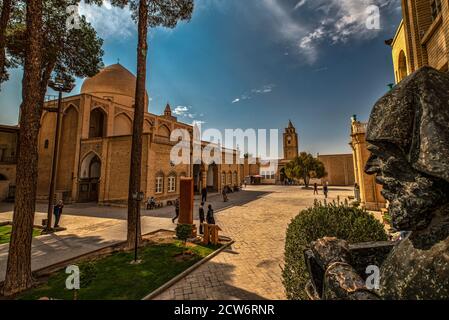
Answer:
[(90, 178), (212, 178)]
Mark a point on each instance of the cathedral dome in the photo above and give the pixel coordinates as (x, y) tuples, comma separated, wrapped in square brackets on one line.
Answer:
[(114, 82)]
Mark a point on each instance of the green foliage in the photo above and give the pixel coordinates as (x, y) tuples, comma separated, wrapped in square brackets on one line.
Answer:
[(387, 218), (184, 232), (305, 167), (344, 222), (114, 278), (5, 233), (66, 53), (164, 13), (88, 273)]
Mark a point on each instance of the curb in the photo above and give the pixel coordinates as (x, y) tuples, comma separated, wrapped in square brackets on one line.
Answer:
[(186, 272)]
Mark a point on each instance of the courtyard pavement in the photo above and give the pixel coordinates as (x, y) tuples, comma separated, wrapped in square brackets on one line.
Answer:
[(252, 267), (90, 227), (256, 219)]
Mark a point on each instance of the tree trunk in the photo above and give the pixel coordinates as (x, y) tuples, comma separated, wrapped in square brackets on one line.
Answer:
[(18, 271), (139, 112), (4, 19)]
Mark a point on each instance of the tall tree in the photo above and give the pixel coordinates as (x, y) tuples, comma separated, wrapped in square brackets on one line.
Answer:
[(46, 44), (4, 19), (147, 14), (18, 272), (305, 167)]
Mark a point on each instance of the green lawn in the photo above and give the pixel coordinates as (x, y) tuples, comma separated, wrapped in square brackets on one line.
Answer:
[(5, 233), (114, 278)]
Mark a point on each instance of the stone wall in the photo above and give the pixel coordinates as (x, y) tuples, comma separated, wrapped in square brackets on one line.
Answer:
[(339, 168)]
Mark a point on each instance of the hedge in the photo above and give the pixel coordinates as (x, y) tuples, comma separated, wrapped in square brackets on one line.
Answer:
[(328, 220)]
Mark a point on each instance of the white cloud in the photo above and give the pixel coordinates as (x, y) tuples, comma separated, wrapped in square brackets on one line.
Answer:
[(263, 90), (109, 21), (311, 23), (181, 110), (299, 4)]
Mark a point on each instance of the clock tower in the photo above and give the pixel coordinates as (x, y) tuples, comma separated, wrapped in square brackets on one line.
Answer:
[(291, 142)]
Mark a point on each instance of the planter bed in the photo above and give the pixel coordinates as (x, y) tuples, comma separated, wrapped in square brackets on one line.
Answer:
[(110, 275)]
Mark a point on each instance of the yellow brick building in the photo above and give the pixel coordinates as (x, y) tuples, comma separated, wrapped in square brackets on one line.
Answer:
[(95, 144), (370, 196), (422, 37)]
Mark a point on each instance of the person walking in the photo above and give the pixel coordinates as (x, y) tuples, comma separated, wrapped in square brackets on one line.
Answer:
[(58, 212), (204, 194), (202, 218), (315, 188), (224, 194), (326, 189), (176, 211), (210, 219)]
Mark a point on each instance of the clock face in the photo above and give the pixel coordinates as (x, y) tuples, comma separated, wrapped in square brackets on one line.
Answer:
[(289, 139)]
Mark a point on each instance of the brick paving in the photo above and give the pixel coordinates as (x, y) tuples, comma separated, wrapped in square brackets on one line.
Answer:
[(251, 268)]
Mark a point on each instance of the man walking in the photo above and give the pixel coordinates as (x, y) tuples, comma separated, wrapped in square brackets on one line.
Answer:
[(224, 194), (204, 194), (58, 212), (210, 215), (202, 218), (315, 188), (176, 211), (326, 189)]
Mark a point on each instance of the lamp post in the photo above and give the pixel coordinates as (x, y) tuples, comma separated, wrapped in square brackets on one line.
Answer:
[(60, 86), (137, 196)]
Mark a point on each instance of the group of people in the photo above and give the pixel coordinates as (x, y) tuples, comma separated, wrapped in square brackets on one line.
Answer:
[(325, 189), (209, 218)]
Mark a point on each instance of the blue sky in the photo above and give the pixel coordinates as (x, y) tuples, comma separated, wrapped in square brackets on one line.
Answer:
[(257, 64)]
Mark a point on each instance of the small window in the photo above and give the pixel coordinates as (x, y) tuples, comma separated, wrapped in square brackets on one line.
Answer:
[(159, 184), (46, 144), (171, 184)]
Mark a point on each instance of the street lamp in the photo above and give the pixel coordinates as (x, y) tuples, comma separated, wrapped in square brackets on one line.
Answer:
[(137, 196), (60, 86)]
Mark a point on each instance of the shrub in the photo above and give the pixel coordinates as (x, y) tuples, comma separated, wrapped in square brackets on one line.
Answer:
[(184, 232), (341, 221)]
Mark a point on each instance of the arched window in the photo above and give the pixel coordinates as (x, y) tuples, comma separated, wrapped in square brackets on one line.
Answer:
[(97, 123), (223, 178), (123, 125), (164, 131), (402, 66), (159, 183), (235, 179), (2, 177), (229, 179), (172, 182)]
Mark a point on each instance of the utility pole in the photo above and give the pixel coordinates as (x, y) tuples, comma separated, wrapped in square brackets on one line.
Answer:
[(59, 86)]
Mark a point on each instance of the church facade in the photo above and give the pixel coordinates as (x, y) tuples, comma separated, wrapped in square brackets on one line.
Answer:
[(95, 144)]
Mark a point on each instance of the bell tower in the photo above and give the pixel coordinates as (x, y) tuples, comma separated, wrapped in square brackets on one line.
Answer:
[(291, 143)]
